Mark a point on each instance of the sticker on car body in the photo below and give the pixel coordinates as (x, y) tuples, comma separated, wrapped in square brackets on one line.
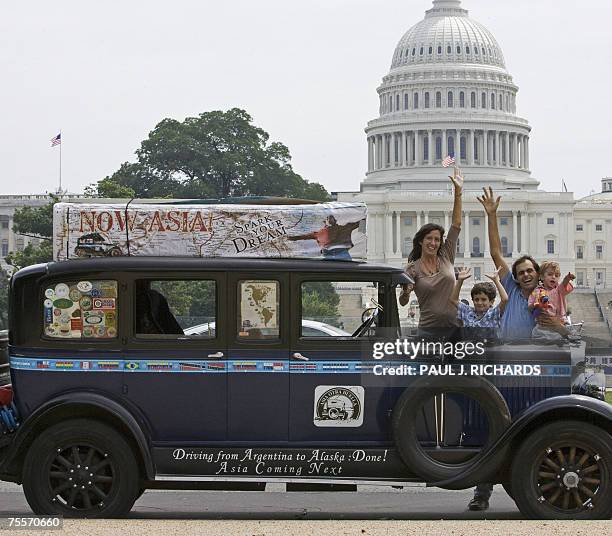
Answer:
[(339, 406)]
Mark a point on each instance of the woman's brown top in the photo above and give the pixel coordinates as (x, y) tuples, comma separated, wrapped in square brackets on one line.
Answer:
[(434, 291)]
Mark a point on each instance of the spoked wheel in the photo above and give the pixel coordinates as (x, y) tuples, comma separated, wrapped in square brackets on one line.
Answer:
[(81, 477), (81, 468), (563, 471), (569, 477)]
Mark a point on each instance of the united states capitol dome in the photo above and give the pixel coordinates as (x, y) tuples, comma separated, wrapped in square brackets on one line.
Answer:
[(448, 94), (448, 35)]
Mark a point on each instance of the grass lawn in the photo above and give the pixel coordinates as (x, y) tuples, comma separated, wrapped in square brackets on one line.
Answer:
[(609, 397)]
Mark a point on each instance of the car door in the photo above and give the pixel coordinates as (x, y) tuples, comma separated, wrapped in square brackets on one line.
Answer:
[(335, 397), (178, 381), (258, 357)]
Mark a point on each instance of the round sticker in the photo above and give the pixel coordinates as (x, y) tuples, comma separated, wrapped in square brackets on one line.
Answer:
[(88, 331), (65, 318), (84, 286), (93, 319), (50, 330), (111, 332), (85, 303), (48, 303), (100, 331), (95, 292), (62, 290), (57, 312), (50, 293), (74, 294)]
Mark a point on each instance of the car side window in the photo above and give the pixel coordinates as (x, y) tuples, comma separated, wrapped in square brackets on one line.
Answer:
[(258, 310), (176, 308), (85, 309), (339, 308)]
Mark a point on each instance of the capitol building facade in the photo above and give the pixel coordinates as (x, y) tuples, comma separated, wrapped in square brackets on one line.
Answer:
[(449, 93)]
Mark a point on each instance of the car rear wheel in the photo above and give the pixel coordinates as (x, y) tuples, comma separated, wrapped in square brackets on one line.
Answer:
[(563, 471), (81, 468)]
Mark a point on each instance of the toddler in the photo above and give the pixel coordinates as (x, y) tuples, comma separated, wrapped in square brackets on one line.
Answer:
[(549, 297)]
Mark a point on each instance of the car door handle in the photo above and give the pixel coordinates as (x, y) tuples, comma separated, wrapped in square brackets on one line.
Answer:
[(299, 356), (217, 355)]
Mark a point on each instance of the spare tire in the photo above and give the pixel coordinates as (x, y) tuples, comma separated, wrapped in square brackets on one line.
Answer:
[(408, 408)]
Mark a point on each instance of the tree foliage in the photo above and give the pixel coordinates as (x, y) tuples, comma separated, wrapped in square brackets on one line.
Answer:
[(320, 302), (31, 254), (215, 155), (4, 300), (35, 221), (108, 188)]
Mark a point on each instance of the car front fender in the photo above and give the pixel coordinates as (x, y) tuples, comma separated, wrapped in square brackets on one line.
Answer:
[(493, 466)]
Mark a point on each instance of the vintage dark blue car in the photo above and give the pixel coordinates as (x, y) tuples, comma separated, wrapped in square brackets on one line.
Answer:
[(114, 392)]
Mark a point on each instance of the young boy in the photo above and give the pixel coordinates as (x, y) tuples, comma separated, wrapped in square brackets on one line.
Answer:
[(482, 315), (549, 297)]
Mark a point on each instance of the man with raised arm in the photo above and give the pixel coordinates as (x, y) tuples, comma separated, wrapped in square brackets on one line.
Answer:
[(517, 322)]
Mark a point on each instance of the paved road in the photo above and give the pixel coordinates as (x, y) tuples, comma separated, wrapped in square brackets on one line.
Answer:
[(372, 512), (369, 503)]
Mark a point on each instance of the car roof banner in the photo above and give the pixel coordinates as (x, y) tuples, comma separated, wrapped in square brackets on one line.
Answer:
[(323, 230)]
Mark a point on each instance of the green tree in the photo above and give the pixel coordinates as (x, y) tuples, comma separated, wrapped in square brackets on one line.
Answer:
[(320, 302), (31, 255), (4, 309), (35, 222), (215, 155), (109, 189)]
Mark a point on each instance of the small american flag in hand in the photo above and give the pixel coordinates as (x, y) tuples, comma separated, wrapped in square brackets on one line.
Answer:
[(448, 161)]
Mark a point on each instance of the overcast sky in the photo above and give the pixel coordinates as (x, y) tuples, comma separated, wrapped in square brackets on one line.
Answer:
[(106, 73)]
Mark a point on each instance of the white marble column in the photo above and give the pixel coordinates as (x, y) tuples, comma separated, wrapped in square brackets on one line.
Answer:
[(418, 220), (388, 234), (526, 152), (431, 146), (369, 154), (426, 219), (485, 149), (444, 144), (497, 150), (402, 149), (514, 234), (523, 152), (393, 153), (467, 247), (398, 233), (524, 248), (516, 156), (470, 154), (371, 234), (11, 235), (446, 221), (507, 142)]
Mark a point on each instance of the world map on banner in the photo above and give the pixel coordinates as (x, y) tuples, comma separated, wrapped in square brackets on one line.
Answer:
[(328, 230)]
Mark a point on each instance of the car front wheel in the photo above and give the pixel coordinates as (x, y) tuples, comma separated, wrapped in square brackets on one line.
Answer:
[(563, 471), (81, 468)]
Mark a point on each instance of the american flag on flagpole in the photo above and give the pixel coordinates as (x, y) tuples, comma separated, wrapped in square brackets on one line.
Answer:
[(448, 161), (56, 140)]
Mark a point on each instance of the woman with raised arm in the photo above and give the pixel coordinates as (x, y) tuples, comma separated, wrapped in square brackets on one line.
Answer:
[(430, 265)]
